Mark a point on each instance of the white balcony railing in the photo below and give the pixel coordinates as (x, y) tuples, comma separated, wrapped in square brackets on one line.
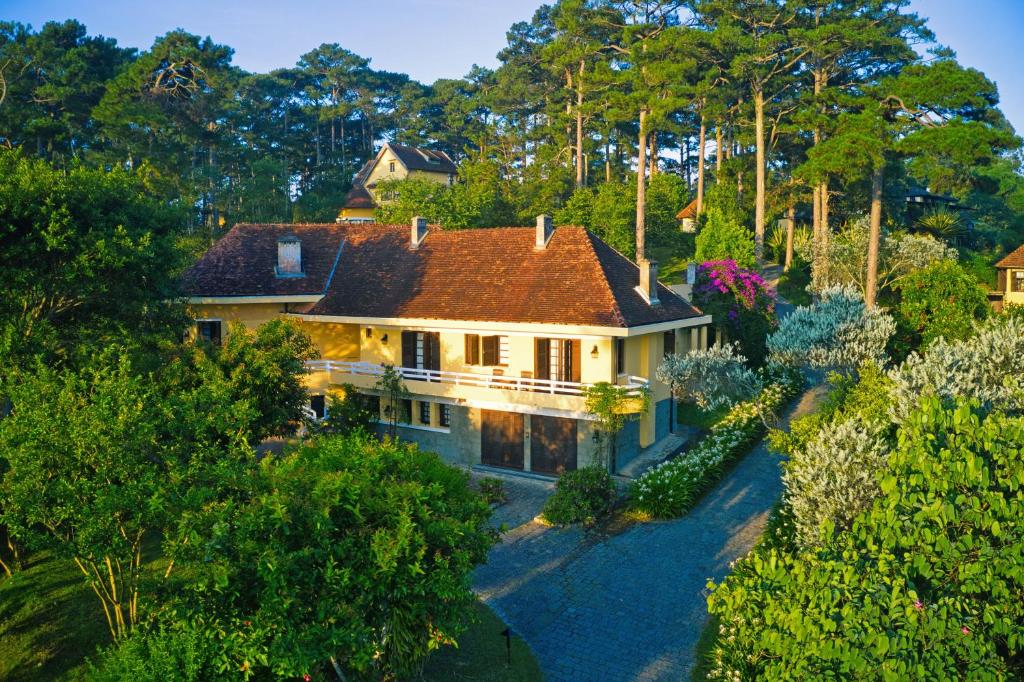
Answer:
[(499, 381)]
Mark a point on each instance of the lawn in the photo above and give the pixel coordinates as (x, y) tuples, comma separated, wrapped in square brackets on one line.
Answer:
[(50, 622), (689, 414), (672, 257)]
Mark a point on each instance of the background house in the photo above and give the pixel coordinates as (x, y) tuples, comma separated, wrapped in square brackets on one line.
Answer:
[(1010, 280), (393, 162)]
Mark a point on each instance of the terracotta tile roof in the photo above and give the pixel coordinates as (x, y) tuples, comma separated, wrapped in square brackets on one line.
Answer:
[(1015, 259), (688, 211), (242, 262), (359, 197), (485, 275)]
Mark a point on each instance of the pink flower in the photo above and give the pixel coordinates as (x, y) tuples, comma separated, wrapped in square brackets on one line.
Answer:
[(966, 630), (918, 605), (306, 677)]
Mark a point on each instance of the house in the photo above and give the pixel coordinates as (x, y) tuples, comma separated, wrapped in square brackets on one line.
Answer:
[(496, 332), (1009, 280), (393, 162), (687, 217)]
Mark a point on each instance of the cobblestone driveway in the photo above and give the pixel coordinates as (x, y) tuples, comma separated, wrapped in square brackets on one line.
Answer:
[(630, 606)]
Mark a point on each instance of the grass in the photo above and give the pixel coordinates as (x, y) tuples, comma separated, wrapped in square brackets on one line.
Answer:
[(481, 654), (672, 257), (50, 622), (691, 415), (705, 645)]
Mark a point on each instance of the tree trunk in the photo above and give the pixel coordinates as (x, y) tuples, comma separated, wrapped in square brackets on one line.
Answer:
[(874, 237), (700, 165), (607, 159), (718, 153), (759, 197), (344, 159), (579, 125), (790, 230), (641, 194), (654, 154)]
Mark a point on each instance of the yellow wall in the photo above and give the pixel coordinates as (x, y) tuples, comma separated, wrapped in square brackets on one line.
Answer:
[(1011, 296), (382, 171), (335, 341), (250, 314), (356, 213)]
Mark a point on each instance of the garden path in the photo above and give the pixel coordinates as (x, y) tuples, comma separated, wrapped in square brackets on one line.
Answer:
[(630, 605)]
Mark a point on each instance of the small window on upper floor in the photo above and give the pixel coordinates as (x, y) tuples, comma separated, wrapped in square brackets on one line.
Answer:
[(620, 356), (209, 331), (391, 167)]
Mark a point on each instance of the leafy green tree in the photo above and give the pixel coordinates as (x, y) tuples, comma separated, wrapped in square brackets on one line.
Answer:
[(612, 406), (722, 238), (921, 588), (348, 551), (394, 391), (89, 258), (941, 300)]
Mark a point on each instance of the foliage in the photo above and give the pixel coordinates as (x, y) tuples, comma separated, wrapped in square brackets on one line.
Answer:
[(265, 368), (666, 194), (612, 406), (492, 489), (721, 238), (923, 586), (900, 254), (941, 300), (741, 302), (353, 411), (101, 458), (581, 496), (88, 259), (794, 282), (394, 391), (984, 367), (713, 378), (159, 653), (306, 565), (672, 488), (776, 242), (836, 331), (942, 223)]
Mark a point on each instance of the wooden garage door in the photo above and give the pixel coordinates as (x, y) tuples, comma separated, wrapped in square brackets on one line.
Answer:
[(552, 444), (501, 439)]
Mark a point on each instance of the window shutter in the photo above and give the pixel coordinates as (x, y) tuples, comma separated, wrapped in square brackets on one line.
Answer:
[(432, 351), (472, 349), (541, 357), (577, 356), (490, 350), (408, 349)]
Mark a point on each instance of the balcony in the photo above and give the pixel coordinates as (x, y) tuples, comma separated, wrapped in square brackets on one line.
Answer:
[(493, 388)]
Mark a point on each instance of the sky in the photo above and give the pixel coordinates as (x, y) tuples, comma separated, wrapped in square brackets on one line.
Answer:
[(431, 39)]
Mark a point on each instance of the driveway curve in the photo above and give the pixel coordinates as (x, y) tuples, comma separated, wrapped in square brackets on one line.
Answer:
[(630, 606)]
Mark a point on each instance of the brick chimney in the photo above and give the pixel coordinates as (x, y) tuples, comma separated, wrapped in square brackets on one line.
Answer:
[(289, 256), (544, 231), (649, 281), (418, 232)]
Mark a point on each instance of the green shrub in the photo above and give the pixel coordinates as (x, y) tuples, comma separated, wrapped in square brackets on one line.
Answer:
[(794, 282), (941, 300), (722, 238), (354, 411), (156, 655), (926, 584), (580, 496), (493, 490)]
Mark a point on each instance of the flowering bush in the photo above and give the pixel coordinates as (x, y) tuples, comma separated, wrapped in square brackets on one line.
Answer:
[(581, 495), (671, 488), (741, 303), (837, 331)]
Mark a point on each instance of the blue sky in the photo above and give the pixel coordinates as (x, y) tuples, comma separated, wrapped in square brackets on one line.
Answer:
[(430, 39)]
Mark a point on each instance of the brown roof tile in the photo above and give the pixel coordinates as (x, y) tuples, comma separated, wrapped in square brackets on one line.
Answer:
[(688, 211), (1015, 259), (359, 197), (242, 262), (486, 275)]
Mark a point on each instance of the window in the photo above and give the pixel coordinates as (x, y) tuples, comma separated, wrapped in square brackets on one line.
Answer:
[(421, 350), (472, 349), (405, 411), (489, 351), (670, 343), (620, 356), (424, 413), (1018, 281), (557, 359), (209, 331), (391, 167), (446, 415)]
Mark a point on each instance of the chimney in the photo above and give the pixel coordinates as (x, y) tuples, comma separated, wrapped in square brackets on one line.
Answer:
[(419, 231), (649, 281), (544, 231), (289, 256), (691, 273)]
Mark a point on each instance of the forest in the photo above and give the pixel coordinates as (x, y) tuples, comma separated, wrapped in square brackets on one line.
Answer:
[(800, 105)]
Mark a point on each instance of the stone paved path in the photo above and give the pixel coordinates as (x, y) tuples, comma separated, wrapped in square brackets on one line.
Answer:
[(630, 606)]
